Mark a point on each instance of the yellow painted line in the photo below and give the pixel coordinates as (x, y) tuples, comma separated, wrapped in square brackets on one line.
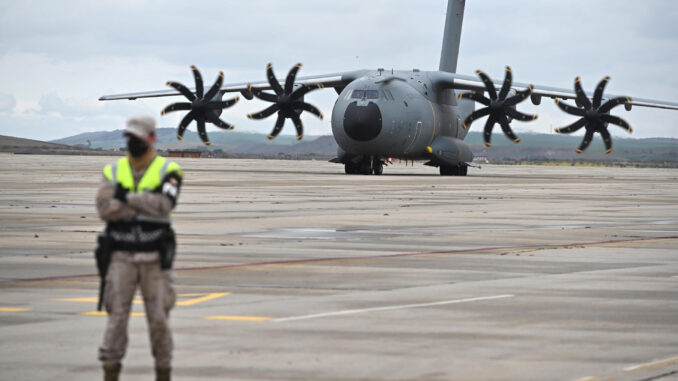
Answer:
[(88, 300), (93, 300), (103, 313), (13, 309), (201, 297), (238, 318), (658, 363), (205, 298), (587, 379)]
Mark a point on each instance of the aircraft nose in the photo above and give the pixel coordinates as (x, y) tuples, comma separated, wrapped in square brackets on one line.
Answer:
[(362, 123)]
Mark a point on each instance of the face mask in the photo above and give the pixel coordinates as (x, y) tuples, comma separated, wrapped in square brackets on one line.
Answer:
[(136, 147)]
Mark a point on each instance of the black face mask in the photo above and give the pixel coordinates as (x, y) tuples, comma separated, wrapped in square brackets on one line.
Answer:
[(136, 147)]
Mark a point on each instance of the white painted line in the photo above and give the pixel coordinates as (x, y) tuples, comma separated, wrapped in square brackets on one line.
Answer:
[(669, 361), (387, 308)]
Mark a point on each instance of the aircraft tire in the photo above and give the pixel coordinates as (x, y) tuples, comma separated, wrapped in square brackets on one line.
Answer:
[(453, 170), (378, 168), (365, 167)]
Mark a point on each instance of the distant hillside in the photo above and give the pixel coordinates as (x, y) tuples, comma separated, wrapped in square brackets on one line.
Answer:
[(167, 138), (227, 141), (28, 146), (562, 147), (534, 147)]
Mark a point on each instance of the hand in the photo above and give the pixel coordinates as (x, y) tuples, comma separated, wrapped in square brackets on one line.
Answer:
[(121, 193)]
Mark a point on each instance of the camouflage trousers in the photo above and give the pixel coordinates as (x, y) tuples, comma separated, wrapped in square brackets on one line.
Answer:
[(125, 272)]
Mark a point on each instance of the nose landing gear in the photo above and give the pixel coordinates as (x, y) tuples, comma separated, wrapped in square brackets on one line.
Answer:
[(366, 166)]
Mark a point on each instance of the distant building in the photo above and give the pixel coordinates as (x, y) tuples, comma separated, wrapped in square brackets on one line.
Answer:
[(185, 153)]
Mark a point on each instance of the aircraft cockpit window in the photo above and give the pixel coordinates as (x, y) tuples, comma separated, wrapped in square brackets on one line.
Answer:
[(371, 94), (358, 94)]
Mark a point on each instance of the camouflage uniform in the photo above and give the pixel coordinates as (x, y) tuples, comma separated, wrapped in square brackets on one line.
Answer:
[(128, 269)]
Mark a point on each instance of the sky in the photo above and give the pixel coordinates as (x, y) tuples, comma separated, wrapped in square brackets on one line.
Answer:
[(58, 57)]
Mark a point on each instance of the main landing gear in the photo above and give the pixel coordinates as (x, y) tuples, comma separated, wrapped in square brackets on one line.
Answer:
[(453, 170), (367, 166)]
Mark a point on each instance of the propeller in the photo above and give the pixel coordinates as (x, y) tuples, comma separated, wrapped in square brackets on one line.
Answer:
[(287, 101), (203, 106), (499, 108), (594, 116)]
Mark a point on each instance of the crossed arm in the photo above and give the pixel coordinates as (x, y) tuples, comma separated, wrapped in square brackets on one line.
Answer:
[(112, 209)]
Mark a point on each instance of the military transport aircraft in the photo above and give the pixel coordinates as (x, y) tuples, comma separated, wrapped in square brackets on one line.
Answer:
[(411, 115)]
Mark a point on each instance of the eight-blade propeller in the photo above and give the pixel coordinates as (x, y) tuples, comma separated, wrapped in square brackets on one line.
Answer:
[(287, 101), (204, 107), (499, 107), (594, 116)]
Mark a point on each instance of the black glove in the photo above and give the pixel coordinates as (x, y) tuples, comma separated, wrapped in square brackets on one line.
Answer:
[(121, 193)]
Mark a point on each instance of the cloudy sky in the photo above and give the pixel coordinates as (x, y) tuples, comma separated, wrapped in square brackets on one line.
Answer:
[(58, 57)]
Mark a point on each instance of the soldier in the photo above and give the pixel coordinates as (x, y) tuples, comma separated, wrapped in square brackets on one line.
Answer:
[(135, 199)]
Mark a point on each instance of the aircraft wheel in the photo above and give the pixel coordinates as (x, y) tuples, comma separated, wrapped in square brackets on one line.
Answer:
[(366, 167), (446, 171), (453, 170), (378, 168), (350, 168)]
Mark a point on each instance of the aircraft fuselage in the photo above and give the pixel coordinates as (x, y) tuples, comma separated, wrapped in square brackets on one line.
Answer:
[(396, 114)]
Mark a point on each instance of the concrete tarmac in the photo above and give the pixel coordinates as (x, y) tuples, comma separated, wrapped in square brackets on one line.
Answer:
[(291, 270)]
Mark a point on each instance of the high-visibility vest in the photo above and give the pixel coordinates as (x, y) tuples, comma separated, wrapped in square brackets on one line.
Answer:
[(143, 232), (121, 172)]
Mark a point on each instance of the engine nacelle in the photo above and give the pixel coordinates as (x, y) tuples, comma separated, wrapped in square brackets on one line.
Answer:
[(449, 151)]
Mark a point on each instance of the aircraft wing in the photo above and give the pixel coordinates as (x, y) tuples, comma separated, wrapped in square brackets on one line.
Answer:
[(473, 83), (335, 80)]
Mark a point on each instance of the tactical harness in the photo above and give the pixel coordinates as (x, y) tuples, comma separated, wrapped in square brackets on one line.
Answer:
[(142, 233)]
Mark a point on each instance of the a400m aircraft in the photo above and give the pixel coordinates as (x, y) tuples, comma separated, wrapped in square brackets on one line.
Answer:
[(411, 115)]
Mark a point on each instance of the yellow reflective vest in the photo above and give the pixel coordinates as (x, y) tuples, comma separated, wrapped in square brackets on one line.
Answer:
[(142, 233), (121, 173)]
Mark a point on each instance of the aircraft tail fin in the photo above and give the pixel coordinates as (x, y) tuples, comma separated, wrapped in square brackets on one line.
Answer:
[(452, 35)]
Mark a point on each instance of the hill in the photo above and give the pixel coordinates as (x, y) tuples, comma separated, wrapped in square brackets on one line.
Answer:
[(29, 146), (534, 147), (222, 141)]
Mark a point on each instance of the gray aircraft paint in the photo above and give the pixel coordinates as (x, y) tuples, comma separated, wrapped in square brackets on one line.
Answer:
[(413, 113), (452, 36), (415, 109)]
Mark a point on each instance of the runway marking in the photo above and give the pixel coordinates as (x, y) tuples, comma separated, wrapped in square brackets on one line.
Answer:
[(658, 363), (238, 318), (388, 308), (201, 299), (422, 253), (13, 309), (645, 366), (91, 299), (104, 313), (382, 256)]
